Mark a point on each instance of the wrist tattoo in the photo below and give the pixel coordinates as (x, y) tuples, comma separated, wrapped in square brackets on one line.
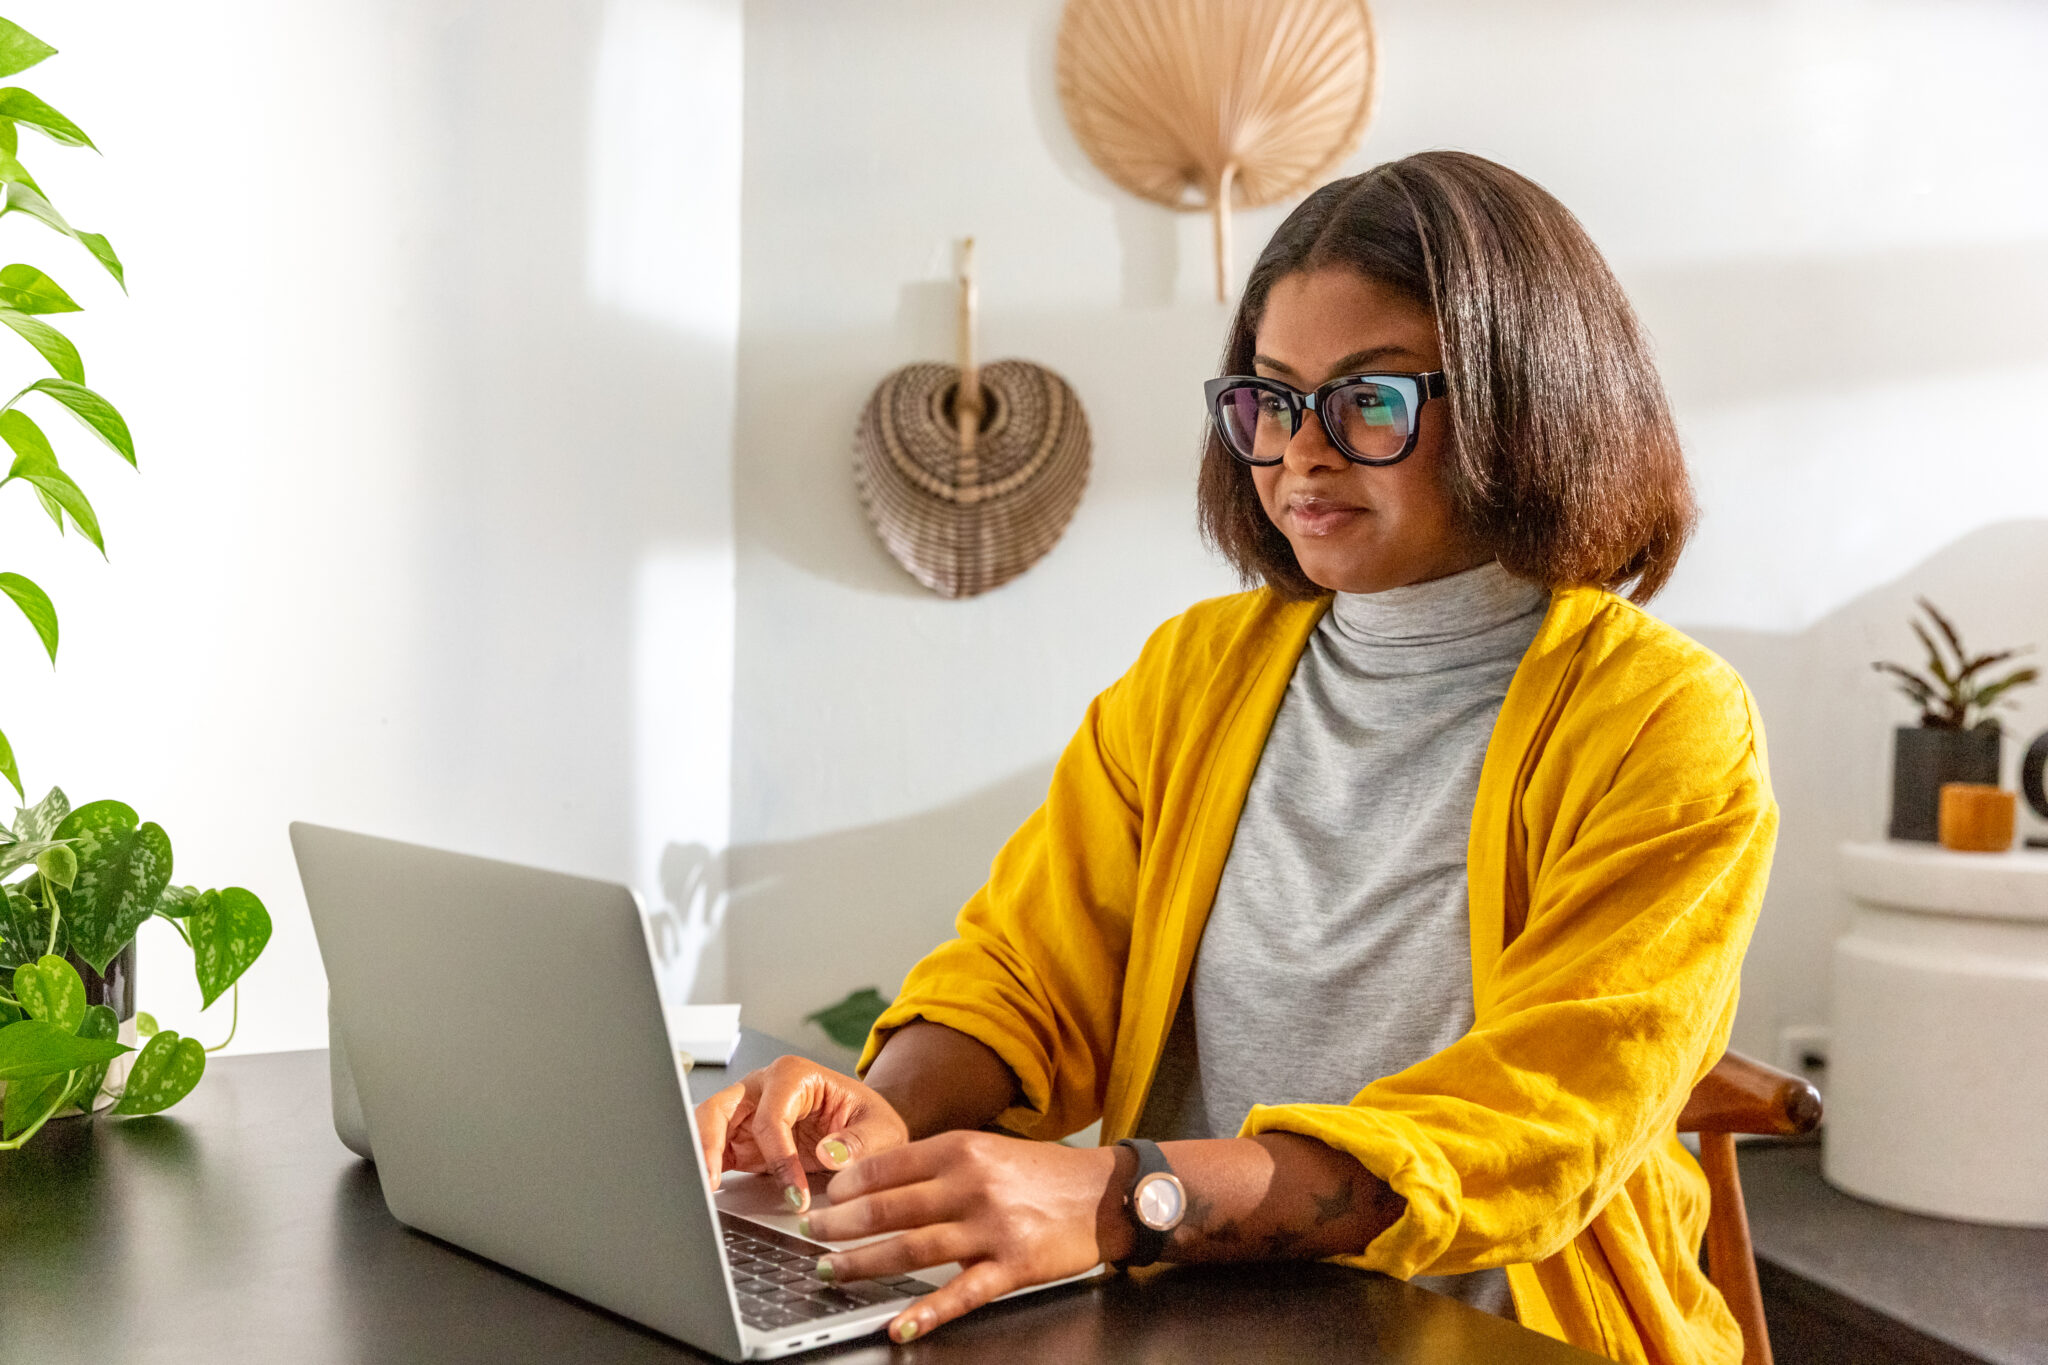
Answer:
[(1330, 1209)]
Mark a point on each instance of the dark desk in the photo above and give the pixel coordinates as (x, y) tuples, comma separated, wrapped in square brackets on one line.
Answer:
[(236, 1228), (1848, 1282)]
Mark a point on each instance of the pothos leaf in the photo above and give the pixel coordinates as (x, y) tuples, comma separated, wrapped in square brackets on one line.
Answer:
[(34, 1048), (50, 343), (29, 290), (49, 989), (165, 1072), (16, 197), (20, 49), (24, 929), (229, 931), (39, 822), (36, 605), (95, 413), (12, 170), (178, 901), (21, 107), (36, 464), (123, 868), (8, 769), (21, 853), (58, 865)]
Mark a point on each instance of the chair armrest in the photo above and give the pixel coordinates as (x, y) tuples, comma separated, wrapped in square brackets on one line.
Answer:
[(1744, 1096)]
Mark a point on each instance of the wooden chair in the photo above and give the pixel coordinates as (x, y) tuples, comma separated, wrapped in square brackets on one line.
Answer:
[(1741, 1096)]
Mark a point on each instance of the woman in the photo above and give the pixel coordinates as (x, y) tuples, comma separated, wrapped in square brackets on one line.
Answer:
[(1402, 900)]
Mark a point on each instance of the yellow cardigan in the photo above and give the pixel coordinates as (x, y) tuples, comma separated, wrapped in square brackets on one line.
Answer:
[(1620, 843)]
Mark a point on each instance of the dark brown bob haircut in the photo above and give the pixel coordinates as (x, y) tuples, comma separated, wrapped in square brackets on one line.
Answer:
[(1563, 459)]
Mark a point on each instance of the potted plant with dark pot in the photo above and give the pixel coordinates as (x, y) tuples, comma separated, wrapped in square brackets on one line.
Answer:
[(1958, 738), (91, 876)]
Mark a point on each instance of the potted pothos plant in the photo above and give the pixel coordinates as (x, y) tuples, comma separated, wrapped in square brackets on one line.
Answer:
[(91, 876), (1958, 738)]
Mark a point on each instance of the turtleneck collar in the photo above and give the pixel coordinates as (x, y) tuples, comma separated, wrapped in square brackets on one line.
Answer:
[(1437, 612)]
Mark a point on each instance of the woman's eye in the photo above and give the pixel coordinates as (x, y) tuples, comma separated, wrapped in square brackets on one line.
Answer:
[(1272, 404)]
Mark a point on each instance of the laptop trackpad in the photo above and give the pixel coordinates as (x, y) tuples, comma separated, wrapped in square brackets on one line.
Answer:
[(759, 1198)]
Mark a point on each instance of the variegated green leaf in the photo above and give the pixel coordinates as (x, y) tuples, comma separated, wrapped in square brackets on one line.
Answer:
[(50, 343), (34, 1048), (21, 107), (100, 1024), (24, 929), (29, 290), (164, 1073), (123, 868), (145, 1024), (229, 930), (20, 49), (49, 989), (21, 852), (35, 604), (178, 901), (93, 412), (39, 822), (58, 865)]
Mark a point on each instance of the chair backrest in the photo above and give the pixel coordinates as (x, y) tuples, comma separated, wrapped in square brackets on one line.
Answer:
[(1741, 1095)]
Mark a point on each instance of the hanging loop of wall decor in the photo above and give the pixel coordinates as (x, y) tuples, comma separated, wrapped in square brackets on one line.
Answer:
[(969, 473), (1210, 105)]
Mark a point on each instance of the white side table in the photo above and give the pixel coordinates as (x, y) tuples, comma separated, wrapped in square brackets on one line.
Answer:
[(1937, 1095)]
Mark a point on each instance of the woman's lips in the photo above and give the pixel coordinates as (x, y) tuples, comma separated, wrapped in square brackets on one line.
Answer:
[(1321, 517)]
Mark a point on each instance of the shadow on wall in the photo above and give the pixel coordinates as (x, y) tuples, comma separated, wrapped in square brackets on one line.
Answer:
[(1829, 719), (811, 919)]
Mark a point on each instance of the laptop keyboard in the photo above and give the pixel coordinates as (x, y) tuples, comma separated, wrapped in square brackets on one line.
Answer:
[(775, 1277)]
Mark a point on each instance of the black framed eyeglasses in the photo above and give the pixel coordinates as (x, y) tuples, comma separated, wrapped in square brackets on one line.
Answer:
[(1369, 418)]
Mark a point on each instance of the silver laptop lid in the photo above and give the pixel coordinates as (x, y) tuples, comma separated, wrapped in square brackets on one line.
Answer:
[(505, 1033)]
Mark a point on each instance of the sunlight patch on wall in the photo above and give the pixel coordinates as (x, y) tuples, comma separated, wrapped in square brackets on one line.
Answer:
[(665, 164)]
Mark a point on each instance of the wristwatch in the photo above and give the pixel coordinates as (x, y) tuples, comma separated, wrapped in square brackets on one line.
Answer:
[(1155, 1201)]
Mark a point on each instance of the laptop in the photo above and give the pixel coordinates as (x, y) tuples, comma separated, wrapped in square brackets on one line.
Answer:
[(505, 1032)]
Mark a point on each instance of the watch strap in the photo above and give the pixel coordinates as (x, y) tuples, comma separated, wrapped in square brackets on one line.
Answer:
[(1150, 1243)]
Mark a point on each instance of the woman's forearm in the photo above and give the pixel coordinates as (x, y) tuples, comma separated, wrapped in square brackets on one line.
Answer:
[(1271, 1197), (938, 1079)]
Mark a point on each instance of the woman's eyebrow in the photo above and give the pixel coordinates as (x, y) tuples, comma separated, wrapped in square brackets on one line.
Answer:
[(1350, 364)]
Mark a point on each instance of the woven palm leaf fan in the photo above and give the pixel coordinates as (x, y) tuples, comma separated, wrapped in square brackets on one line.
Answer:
[(1210, 105), (969, 473)]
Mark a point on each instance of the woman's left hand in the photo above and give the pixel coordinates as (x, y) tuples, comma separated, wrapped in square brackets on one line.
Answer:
[(1012, 1212)]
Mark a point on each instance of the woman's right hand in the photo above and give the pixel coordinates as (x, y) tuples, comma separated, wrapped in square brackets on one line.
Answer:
[(794, 1116)]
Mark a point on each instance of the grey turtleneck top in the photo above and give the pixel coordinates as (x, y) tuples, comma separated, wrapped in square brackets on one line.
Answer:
[(1338, 950)]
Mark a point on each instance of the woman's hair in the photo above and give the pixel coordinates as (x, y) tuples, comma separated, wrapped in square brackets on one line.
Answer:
[(1562, 460)]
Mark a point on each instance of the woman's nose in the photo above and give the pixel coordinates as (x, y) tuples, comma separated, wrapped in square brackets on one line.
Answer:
[(1309, 449)]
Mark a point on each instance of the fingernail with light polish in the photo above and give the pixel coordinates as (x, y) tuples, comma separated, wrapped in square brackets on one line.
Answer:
[(793, 1197), (837, 1152), (907, 1330), (803, 1226), (824, 1269)]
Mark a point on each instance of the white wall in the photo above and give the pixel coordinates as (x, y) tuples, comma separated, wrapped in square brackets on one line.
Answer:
[(429, 363), (1826, 211)]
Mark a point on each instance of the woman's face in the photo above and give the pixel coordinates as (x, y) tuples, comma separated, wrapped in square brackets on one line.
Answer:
[(1357, 528)]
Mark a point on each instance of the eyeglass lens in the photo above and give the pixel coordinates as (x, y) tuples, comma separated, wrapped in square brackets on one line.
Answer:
[(1371, 421)]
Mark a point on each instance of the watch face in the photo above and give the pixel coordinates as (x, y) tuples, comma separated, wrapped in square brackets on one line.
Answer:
[(1159, 1202)]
